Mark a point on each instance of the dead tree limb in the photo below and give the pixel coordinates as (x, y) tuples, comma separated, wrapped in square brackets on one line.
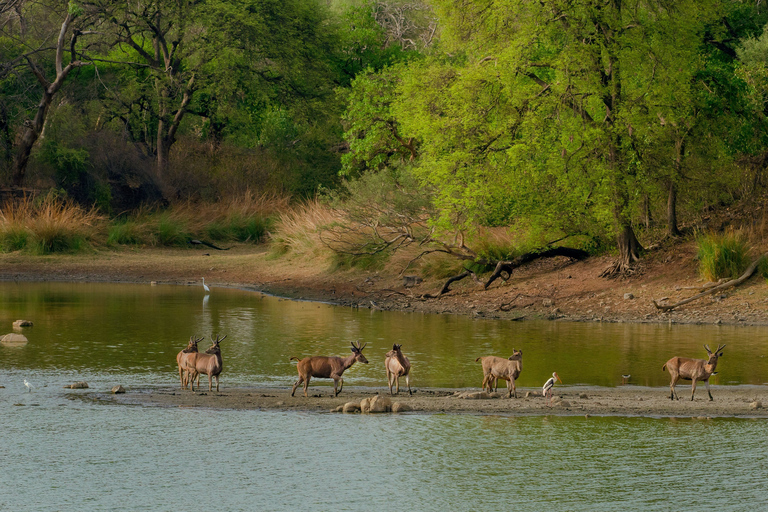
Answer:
[(447, 286), (506, 267), (733, 282)]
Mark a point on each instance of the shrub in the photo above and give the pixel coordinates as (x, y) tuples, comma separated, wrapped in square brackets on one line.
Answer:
[(47, 225), (124, 232), (722, 255), (170, 230)]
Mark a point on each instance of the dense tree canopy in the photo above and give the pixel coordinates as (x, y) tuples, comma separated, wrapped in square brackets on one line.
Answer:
[(584, 121)]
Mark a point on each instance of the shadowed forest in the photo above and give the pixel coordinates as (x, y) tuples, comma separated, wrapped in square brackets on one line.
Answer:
[(479, 134)]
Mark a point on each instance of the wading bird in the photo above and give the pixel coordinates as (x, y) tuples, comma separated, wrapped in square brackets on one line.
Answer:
[(207, 290), (625, 379), (546, 390), (29, 386)]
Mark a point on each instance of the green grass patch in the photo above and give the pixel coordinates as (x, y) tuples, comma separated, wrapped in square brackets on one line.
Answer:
[(124, 232), (13, 239), (170, 231), (722, 255)]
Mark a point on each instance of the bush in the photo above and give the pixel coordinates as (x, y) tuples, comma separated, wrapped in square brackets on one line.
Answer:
[(124, 232), (46, 225), (722, 255)]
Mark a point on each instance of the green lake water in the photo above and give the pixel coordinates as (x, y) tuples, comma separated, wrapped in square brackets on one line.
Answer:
[(63, 454)]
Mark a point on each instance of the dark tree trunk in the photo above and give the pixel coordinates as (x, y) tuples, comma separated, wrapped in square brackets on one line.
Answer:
[(629, 246), (672, 229), (34, 128)]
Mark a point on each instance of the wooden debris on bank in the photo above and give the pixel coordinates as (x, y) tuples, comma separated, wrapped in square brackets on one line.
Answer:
[(728, 284)]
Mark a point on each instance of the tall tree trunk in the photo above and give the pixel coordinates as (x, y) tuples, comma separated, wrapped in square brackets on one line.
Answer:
[(33, 128), (167, 128), (629, 246), (672, 229), (647, 211)]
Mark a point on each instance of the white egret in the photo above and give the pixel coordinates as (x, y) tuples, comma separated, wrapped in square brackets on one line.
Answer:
[(546, 390), (207, 290), (29, 386)]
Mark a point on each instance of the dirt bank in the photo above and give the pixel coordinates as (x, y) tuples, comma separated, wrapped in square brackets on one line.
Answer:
[(729, 401), (556, 289)]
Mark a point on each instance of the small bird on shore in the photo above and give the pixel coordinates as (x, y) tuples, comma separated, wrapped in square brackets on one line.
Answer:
[(625, 378), (205, 287), (29, 386), (546, 390)]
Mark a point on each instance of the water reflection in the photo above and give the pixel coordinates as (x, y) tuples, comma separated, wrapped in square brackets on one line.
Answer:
[(137, 330)]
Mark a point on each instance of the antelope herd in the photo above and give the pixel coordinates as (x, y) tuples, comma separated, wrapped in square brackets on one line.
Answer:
[(192, 363)]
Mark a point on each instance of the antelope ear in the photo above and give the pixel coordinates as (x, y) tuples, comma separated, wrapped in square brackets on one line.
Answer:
[(720, 354)]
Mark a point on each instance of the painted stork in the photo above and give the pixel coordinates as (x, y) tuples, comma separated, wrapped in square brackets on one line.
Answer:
[(546, 390)]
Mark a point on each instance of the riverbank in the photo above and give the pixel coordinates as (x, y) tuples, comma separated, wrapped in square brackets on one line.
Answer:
[(555, 289), (558, 290), (729, 401)]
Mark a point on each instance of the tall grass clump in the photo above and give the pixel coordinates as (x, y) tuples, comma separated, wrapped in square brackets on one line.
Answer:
[(125, 232), (47, 225), (299, 229), (722, 255), (246, 218)]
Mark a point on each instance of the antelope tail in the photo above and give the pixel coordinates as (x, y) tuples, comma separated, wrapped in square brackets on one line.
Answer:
[(479, 358), (294, 357), (664, 367)]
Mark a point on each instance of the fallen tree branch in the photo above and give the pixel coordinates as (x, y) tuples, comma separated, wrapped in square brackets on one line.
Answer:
[(506, 267), (733, 282), (447, 286)]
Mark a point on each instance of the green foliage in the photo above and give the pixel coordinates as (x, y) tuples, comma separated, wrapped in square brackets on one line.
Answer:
[(14, 238), (170, 231), (239, 228), (722, 255), (124, 232)]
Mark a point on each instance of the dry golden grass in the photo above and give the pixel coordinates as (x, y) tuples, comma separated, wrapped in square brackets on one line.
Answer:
[(46, 225), (298, 229)]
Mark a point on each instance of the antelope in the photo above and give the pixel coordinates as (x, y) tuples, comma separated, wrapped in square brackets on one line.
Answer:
[(397, 365), (692, 369), (208, 363), (500, 368), (181, 360), (322, 367)]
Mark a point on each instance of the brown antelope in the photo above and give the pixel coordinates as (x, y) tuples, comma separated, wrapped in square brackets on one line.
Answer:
[(181, 360), (500, 368), (397, 366), (322, 367), (208, 363), (692, 369)]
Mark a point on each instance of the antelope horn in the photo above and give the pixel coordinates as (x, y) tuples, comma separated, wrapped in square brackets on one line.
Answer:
[(361, 348), (707, 347), (222, 339), (719, 348)]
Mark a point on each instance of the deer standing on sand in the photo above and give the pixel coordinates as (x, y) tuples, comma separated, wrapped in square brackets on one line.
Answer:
[(208, 363), (692, 369), (500, 368), (181, 360), (322, 367), (397, 365)]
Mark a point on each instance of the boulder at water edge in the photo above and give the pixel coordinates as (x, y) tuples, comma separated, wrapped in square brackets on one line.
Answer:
[(376, 403), (14, 340), (77, 385), (22, 323)]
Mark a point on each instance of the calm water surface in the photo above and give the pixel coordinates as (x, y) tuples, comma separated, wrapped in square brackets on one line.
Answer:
[(61, 452)]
